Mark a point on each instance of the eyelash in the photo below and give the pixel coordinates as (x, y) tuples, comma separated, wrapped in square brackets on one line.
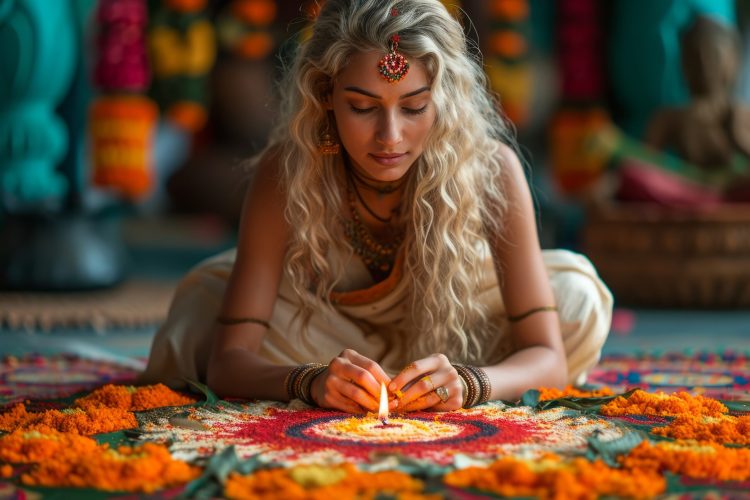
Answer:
[(408, 111)]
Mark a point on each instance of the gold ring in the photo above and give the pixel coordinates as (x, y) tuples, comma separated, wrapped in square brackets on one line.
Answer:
[(442, 393), (427, 379)]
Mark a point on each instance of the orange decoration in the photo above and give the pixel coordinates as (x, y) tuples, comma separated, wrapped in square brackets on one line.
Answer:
[(186, 5), (722, 429), (23, 447), (133, 398), (255, 45), (551, 477), (548, 393), (257, 12), (576, 163), (320, 482), (187, 115), (75, 420), (510, 10), (643, 403), (141, 469), (508, 44), (121, 131), (705, 460)]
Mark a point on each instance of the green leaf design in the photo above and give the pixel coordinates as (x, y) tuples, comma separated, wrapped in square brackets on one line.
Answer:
[(210, 483), (608, 451), (211, 397), (530, 398)]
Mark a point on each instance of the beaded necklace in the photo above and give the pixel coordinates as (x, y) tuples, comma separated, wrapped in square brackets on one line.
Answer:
[(378, 256)]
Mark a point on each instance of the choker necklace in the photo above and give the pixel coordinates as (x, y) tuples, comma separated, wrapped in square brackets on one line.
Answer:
[(381, 189), (384, 220)]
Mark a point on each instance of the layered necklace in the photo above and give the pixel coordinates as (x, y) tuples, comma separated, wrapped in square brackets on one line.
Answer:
[(378, 256)]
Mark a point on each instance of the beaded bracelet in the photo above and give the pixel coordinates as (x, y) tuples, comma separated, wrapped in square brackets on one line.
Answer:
[(471, 382), (299, 380), (485, 388)]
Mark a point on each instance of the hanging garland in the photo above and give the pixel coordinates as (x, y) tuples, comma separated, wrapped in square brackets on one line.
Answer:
[(244, 28), (182, 47), (507, 52), (581, 116), (122, 119)]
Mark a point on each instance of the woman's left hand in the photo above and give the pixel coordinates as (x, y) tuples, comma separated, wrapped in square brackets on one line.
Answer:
[(431, 383)]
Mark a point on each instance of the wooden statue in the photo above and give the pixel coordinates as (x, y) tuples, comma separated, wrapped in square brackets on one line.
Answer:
[(713, 129)]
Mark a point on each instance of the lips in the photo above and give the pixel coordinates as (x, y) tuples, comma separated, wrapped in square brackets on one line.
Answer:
[(388, 155), (388, 159)]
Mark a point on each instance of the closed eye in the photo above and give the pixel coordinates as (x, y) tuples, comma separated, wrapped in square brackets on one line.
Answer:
[(361, 111), (417, 111)]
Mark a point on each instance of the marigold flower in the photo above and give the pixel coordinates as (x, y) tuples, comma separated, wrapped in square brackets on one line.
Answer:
[(548, 393), (722, 429), (75, 420), (133, 398), (23, 447), (644, 403), (344, 481), (142, 469), (552, 477), (692, 459)]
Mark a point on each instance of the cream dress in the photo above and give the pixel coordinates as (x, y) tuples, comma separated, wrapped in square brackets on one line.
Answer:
[(366, 318)]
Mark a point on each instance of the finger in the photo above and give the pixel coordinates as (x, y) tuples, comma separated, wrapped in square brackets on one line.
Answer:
[(350, 390), (342, 403), (423, 402), (426, 385), (417, 370), (453, 401), (370, 374)]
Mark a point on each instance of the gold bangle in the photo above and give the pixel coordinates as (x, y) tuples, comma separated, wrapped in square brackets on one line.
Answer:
[(524, 315), (223, 320)]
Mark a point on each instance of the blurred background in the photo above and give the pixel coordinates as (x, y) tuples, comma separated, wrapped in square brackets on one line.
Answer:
[(125, 126)]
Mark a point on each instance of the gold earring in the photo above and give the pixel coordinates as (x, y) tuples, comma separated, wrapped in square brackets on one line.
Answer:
[(328, 144)]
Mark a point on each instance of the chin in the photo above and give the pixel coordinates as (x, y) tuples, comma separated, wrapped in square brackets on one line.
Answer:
[(385, 173)]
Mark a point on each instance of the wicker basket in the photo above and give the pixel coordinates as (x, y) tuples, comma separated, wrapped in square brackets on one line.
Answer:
[(659, 257)]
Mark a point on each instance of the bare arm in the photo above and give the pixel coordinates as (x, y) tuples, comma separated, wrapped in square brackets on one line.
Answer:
[(539, 356), (234, 368)]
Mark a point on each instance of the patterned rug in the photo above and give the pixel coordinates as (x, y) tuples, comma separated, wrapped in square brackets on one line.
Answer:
[(718, 375), (121, 441), (37, 377)]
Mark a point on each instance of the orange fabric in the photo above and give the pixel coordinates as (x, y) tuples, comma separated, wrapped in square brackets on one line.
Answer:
[(376, 291)]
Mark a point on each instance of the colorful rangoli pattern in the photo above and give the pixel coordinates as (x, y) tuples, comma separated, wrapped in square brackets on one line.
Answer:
[(47, 377), (304, 435), (721, 376)]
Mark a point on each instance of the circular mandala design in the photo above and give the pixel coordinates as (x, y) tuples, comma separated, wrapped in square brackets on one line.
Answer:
[(290, 436)]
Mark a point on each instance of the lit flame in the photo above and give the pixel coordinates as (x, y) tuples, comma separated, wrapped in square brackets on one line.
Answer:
[(383, 410)]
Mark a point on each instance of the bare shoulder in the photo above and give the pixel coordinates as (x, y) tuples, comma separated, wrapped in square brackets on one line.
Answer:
[(513, 171)]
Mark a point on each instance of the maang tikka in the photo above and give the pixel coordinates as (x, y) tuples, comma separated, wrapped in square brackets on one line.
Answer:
[(393, 66)]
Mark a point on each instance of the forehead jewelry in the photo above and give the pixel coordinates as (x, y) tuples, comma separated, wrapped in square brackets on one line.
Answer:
[(393, 66)]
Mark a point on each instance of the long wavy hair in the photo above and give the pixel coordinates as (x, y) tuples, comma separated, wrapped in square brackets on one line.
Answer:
[(453, 198)]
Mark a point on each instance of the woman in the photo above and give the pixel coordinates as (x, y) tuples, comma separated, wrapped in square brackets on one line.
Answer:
[(389, 230)]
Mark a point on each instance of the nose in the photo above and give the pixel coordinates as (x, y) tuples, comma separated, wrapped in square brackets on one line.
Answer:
[(389, 129)]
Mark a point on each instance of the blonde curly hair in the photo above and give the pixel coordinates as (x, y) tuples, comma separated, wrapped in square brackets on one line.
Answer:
[(453, 200)]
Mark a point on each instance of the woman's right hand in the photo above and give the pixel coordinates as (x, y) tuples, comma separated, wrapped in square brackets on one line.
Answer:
[(351, 383)]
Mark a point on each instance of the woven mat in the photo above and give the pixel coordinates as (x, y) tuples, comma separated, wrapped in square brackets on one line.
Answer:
[(34, 376), (135, 303), (724, 375)]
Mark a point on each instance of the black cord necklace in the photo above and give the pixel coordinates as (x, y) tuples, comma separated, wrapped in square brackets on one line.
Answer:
[(384, 220)]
